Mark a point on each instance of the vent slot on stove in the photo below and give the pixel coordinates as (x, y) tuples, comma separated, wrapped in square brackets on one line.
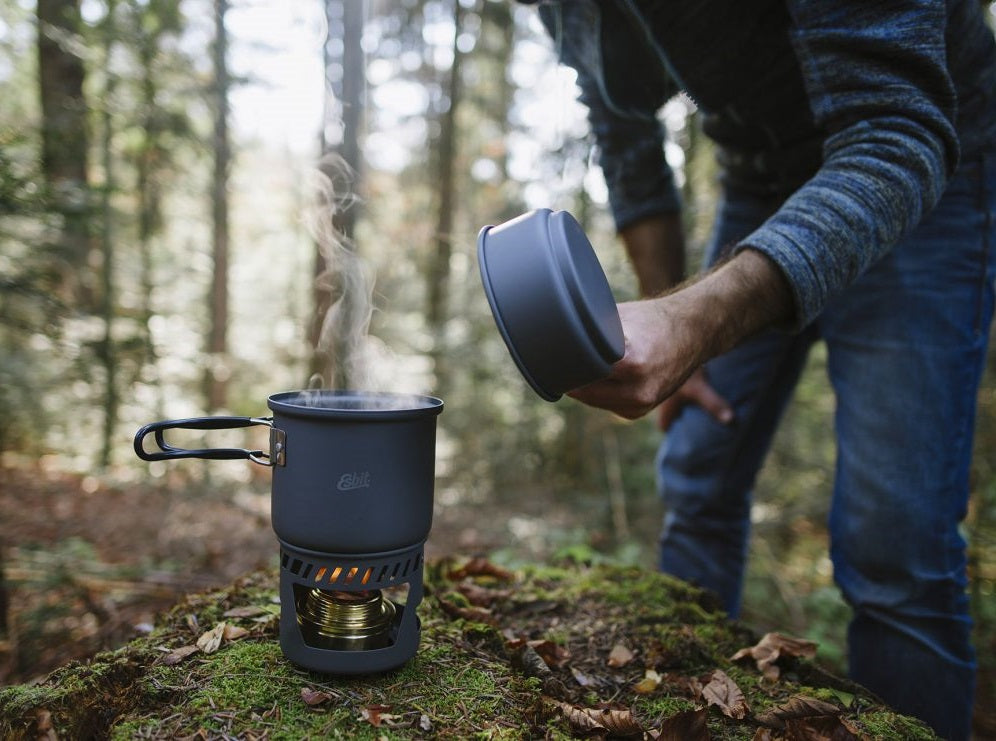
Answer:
[(351, 574)]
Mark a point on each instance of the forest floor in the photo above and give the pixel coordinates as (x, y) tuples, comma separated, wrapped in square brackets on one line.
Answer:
[(90, 566)]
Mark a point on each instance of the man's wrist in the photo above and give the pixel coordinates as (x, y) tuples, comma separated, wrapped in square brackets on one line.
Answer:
[(738, 299)]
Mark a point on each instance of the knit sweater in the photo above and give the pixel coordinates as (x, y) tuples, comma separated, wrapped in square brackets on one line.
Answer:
[(854, 112)]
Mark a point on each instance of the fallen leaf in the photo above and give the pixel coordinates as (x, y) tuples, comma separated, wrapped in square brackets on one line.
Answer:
[(853, 727), (210, 640), (481, 567), (374, 714), (619, 656), (245, 611), (798, 706), (825, 728), (724, 693), (475, 614), (554, 656), (314, 697), (690, 725), (763, 734), (482, 596), (529, 662), (772, 647), (234, 632), (616, 721), (648, 684), (179, 654), (583, 679)]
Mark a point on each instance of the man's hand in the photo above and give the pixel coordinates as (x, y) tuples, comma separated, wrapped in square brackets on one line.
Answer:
[(659, 357), (669, 338), (696, 390)]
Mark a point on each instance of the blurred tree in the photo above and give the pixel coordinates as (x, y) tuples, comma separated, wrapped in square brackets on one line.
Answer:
[(161, 131), (108, 293), (65, 140), (438, 274), (218, 362)]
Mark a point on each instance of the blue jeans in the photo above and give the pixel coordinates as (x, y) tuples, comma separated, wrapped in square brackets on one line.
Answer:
[(906, 346)]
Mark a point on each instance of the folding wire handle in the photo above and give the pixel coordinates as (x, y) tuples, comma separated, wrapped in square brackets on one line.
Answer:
[(165, 451)]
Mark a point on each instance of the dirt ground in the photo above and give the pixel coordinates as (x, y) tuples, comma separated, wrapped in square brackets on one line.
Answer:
[(88, 566)]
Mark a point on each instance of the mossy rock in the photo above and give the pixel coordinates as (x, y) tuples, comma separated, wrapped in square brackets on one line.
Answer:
[(540, 653)]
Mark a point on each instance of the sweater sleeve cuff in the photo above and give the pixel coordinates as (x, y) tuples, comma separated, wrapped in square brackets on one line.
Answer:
[(809, 290)]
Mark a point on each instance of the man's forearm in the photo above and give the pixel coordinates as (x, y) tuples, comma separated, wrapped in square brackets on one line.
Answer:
[(738, 299), (656, 249)]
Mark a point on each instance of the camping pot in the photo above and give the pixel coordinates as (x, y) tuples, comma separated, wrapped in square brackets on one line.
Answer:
[(551, 301), (351, 505)]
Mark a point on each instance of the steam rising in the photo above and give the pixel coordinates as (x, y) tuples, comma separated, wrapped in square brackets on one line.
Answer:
[(341, 337)]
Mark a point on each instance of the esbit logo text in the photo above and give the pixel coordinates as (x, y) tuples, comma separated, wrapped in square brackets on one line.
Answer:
[(350, 481)]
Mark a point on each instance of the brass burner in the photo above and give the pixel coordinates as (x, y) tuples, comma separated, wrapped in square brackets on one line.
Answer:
[(346, 621)]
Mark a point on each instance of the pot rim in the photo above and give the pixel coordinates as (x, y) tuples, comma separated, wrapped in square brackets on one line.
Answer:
[(348, 404)]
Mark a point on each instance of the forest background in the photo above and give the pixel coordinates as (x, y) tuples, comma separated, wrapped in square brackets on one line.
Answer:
[(204, 202)]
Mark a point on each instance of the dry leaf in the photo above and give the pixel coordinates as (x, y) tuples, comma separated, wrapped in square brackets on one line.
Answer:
[(798, 706), (375, 715), (583, 679), (314, 697), (690, 725), (619, 656), (474, 614), (210, 641), (648, 684), (554, 656), (724, 693), (482, 596), (825, 728), (245, 611), (616, 721), (179, 654), (234, 632), (763, 734), (481, 567), (529, 662), (773, 646)]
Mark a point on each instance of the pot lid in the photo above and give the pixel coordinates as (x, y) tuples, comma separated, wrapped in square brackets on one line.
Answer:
[(587, 286)]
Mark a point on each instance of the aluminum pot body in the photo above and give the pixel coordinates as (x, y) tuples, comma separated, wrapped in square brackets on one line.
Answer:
[(353, 471), (358, 470)]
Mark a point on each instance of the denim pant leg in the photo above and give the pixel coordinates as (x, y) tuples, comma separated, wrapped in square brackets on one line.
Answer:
[(906, 348), (706, 470)]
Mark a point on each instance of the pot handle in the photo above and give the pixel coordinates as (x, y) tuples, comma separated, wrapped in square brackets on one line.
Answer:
[(167, 451)]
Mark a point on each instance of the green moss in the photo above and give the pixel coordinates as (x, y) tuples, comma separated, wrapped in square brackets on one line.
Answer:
[(656, 707), (244, 675), (882, 725), (638, 588), (462, 684)]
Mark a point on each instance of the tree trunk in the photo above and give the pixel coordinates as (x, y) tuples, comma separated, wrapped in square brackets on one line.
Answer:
[(108, 292), (339, 313), (64, 142), (439, 265), (217, 370)]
